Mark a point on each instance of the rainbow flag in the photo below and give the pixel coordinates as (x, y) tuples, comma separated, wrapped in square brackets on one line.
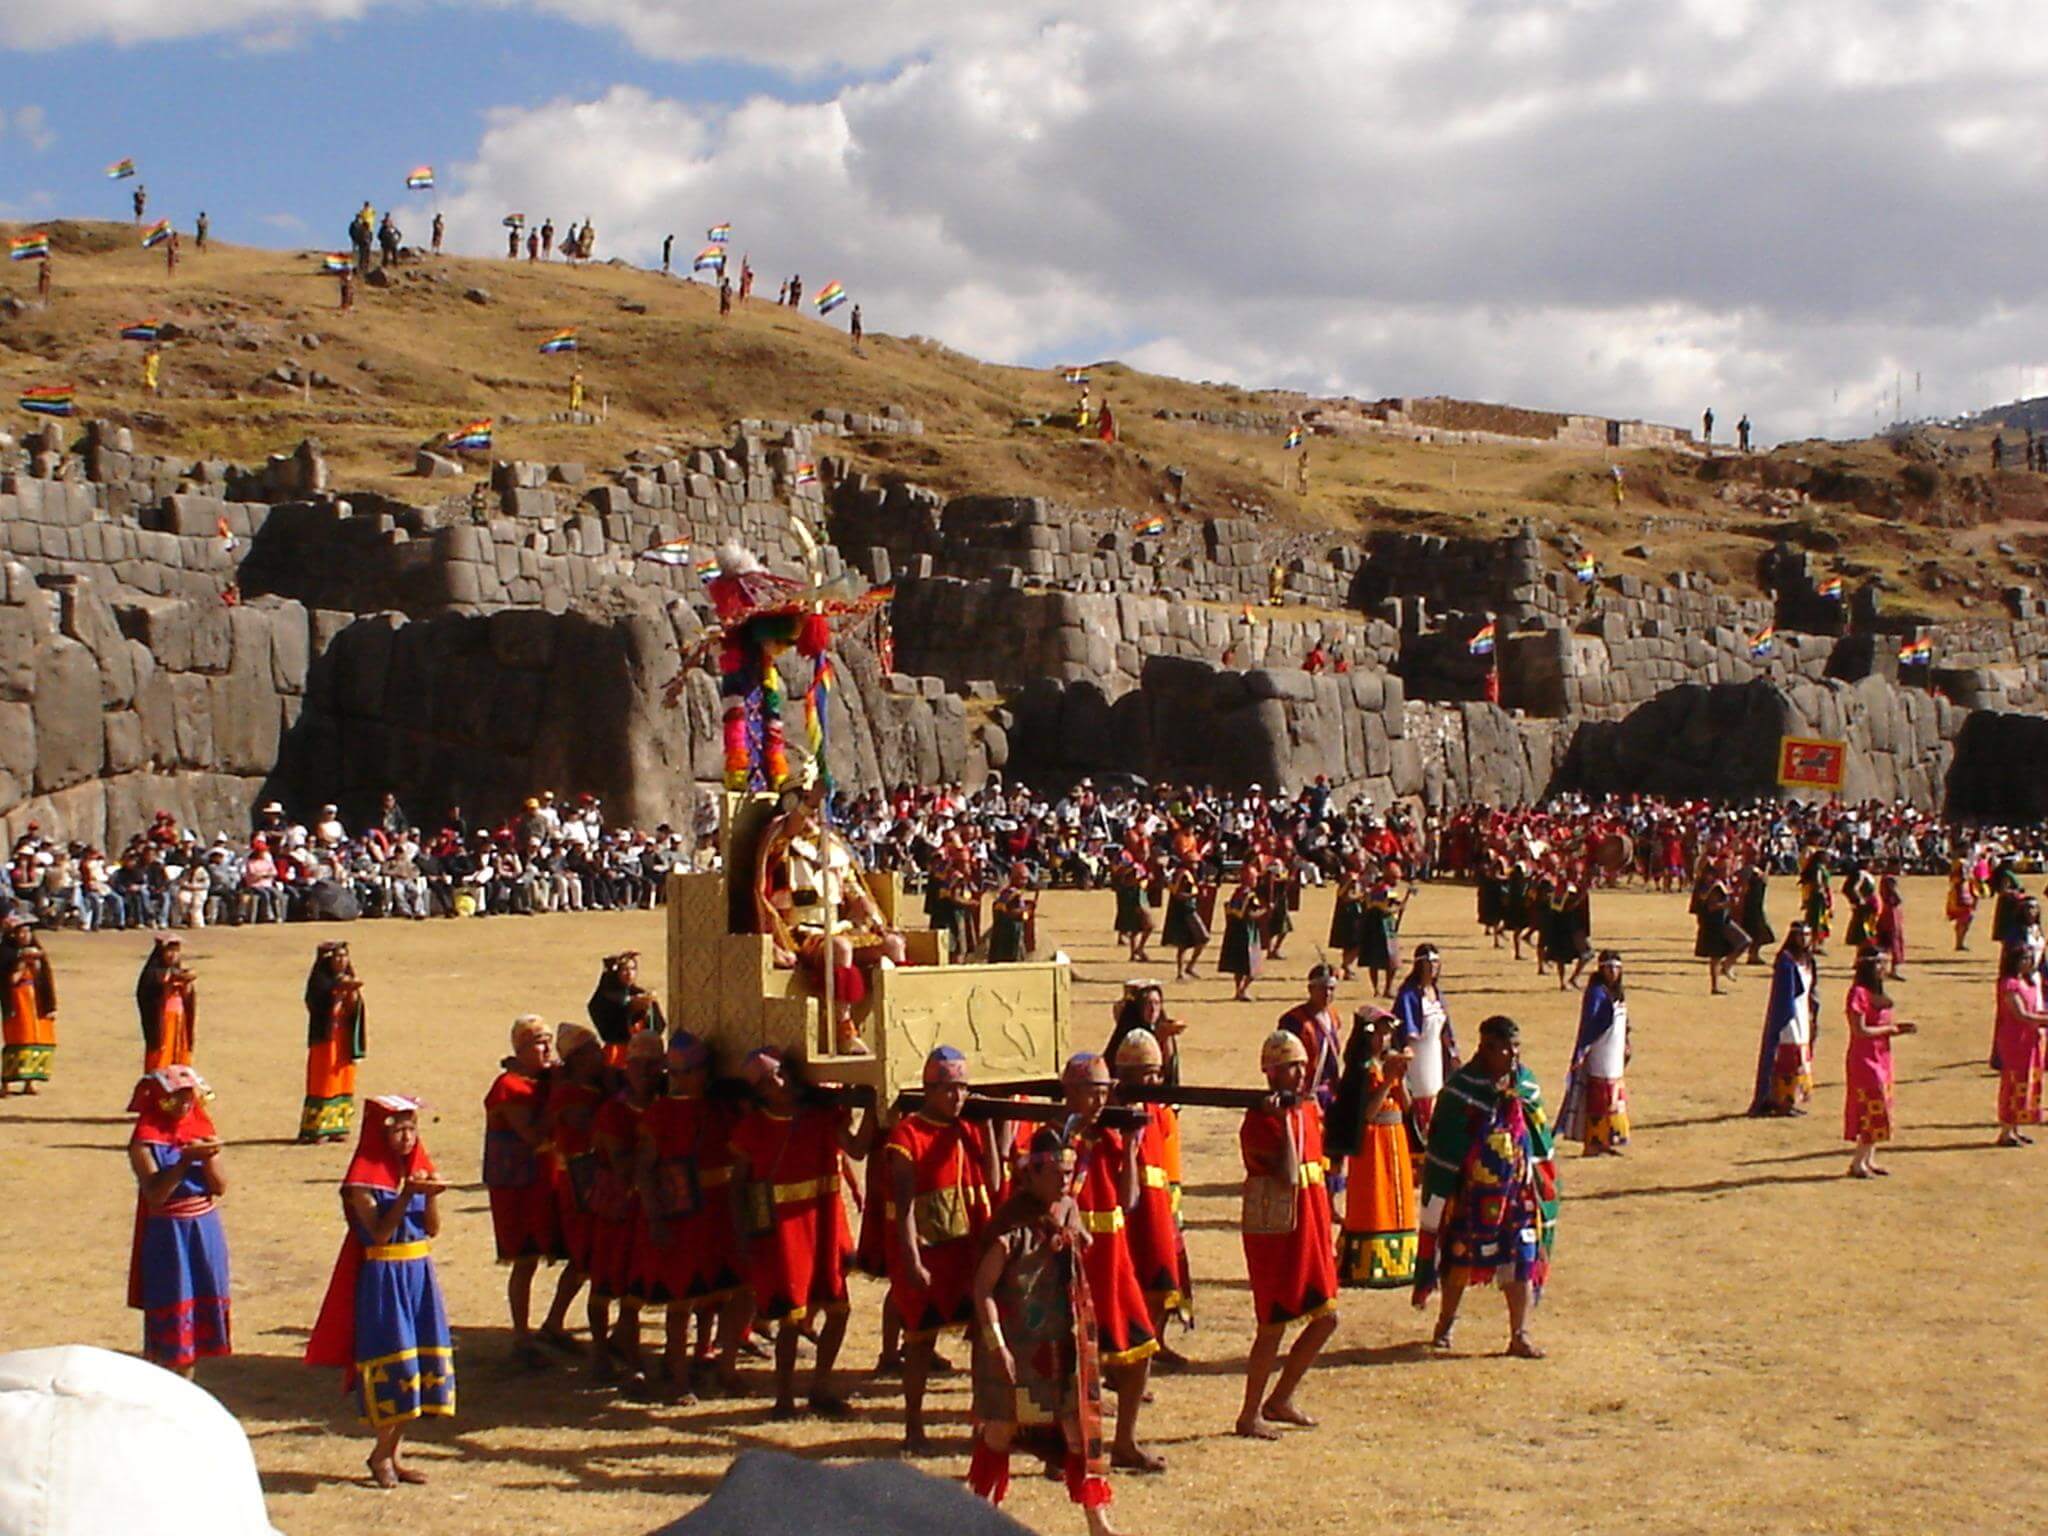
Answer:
[(707, 568), (141, 330), (1917, 652), (710, 259), (1293, 437), (474, 438), (335, 263), (421, 179), (674, 552), (514, 221), (816, 697), (806, 472), (830, 297), (1586, 568), (1830, 587), (1765, 644), (29, 247), (1481, 643), (1074, 375), (1153, 527), (120, 170), (156, 234), (48, 399), (718, 234), (561, 341)]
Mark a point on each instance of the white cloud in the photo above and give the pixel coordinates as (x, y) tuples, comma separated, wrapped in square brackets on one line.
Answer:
[(291, 223), (33, 126), (56, 23)]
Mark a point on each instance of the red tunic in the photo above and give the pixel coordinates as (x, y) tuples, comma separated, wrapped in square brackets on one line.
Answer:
[(573, 1108), (1293, 1274), (799, 1265), (521, 1179), (698, 1262), (949, 1172), (1123, 1326), (1153, 1233), (616, 1220)]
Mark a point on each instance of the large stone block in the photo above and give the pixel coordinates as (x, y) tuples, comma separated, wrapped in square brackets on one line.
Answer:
[(70, 742)]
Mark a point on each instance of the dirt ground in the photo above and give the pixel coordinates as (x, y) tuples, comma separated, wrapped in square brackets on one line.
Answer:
[(1740, 1338)]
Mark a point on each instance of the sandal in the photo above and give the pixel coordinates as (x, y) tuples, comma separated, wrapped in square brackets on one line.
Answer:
[(1521, 1348)]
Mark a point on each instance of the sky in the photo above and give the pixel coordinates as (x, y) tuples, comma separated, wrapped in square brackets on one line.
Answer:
[(1817, 212)]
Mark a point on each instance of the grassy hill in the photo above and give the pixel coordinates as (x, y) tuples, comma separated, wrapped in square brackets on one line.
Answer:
[(262, 357)]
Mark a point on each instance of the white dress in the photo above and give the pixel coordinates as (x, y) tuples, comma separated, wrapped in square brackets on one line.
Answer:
[(1426, 1069)]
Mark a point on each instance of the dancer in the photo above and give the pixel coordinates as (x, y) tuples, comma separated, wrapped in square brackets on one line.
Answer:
[(621, 1008), (336, 1039), (1961, 906), (939, 1171), (1784, 1062), (793, 1234), (519, 1174), (1489, 1189), (1377, 1249), (1011, 913), (1424, 1032), (1184, 931), (168, 997), (1867, 1100), (1105, 1189), (1242, 955), (1595, 1105), (1816, 900), (1347, 915), (1133, 921), (1287, 1250), (383, 1321), (1891, 924), (28, 1008), (178, 1267), (1752, 916), (1379, 947), (1034, 1347), (2021, 1020)]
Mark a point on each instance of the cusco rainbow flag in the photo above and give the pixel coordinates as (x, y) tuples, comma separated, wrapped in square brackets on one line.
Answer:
[(1765, 643), (718, 234), (1294, 437), (141, 330), (830, 297), (1586, 568), (48, 399), (29, 247), (1917, 652), (474, 438), (710, 259), (1481, 643), (561, 341), (806, 472), (421, 179), (336, 262), (674, 552), (1153, 527), (156, 234), (120, 170), (1830, 587)]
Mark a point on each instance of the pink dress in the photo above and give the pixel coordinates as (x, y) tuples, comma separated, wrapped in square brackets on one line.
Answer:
[(2019, 1052), (1867, 1101)]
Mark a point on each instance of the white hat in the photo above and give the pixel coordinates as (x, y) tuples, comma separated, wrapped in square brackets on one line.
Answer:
[(92, 1441)]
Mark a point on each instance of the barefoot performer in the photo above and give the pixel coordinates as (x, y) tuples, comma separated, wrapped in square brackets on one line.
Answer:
[(519, 1173), (1377, 1249), (168, 999), (1595, 1107), (938, 1171), (28, 1007), (794, 1241), (1034, 1342), (336, 1039), (617, 1222), (1105, 1189), (1286, 1214), (178, 1268), (1784, 1062), (2021, 1021), (1867, 1091), (1489, 1188), (1423, 1029), (577, 1089), (383, 1322)]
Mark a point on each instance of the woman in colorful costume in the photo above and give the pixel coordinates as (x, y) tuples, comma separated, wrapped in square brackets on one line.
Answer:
[(1287, 1246), (1489, 1188), (2021, 1021), (621, 1008), (1184, 931), (28, 1008), (1867, 1102), (938, 1171), (178, 1267), (383, 1322), (1961, 905), (1369, 1122), (1423, 1030), (1595, 1105), (167, 996), (336, 1039), (1035, 1359), (1133, 921), (1242, 955), (577, 1089), (1784, 1062)]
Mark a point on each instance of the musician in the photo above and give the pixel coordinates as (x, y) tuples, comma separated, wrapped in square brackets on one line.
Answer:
[(621, 1008), (337, 1037), (804, 871)]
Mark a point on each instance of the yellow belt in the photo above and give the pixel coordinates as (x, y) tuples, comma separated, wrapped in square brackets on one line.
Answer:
[(392, 1253), (1104, 1221), (1312, 1173), (1155, 1178), (810, 1189)]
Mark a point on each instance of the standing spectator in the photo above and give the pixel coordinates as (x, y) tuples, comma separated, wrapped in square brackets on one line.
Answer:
[(796, 291), (199, 231), (853, 328), (348, 289), (140, 200), (1997, 452), (1742, 433), (1707, 426), (440, 229), (43, 282), (547, 238), (171, 255), (532, 246), (668, 247), (724, 296)]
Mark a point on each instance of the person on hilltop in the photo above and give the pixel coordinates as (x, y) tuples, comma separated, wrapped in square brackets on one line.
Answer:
[(724, 296), (440, 230), (200, 229), (152, 369), (746, 279), (347, 297), (171, 255), (1489, 1189), (532, 245), (140, 200), (1742, 433), (854, 328), (43, 282), (361, 230), (796, 292), (1707, 426), (668, 250), (547, 238)]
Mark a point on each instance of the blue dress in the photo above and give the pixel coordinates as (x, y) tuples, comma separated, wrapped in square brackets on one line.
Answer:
[(181, 1273), (405, 1356)]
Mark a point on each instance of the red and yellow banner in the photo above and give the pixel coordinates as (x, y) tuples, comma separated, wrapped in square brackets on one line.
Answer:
[(1812, 762)]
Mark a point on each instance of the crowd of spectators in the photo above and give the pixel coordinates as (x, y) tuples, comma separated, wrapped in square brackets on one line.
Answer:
[(556, 856)]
